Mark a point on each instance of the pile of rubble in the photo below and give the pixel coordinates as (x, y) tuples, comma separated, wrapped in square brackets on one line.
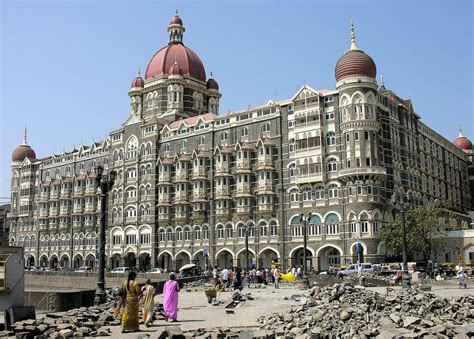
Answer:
[(196, 284), (345, 311), (79, 322)]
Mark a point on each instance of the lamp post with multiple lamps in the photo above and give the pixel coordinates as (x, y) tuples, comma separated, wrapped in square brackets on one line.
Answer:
[(402, 202), (305, 221), (105, 183)]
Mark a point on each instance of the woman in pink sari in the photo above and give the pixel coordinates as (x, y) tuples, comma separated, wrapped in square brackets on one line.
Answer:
[(170, 298)]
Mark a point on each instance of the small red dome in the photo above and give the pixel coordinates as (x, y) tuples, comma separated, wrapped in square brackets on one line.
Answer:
[(175, 70), (138, 82), (212, 84), (188, 61), (355, 63), (176, 20), (23, 151), (463, 143)]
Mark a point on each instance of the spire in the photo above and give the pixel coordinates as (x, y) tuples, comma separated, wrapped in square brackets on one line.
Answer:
[(460, 131), (139, 73), (25, 136), (211, 75), (382, 83), (353, 37)]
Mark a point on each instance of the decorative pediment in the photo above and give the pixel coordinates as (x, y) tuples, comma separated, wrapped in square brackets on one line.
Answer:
[(304, 92), (132, 120)]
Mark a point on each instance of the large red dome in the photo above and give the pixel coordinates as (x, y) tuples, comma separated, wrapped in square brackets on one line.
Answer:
[(187, 60), (355, 63), (22, 152), (463, 143)]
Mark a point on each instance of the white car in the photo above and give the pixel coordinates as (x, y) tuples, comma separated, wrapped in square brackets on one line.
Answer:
[(83, 269), (154, 270), (356, 268), (121, 270)]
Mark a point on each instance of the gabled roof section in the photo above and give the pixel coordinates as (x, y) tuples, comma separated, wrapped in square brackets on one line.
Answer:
[(305, 89), (132, 120), (192, 121)]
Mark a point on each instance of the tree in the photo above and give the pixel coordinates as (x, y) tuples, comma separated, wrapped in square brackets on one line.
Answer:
[(425, 228)]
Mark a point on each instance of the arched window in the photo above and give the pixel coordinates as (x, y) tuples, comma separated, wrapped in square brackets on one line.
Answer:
[(244, 132), (162, 234), (223, 136), (205, 233), (332, 191), (228, 231), (331, 165), (273, 228), (187, 233), (307, 196), (296, 227), (197, 233), (220, 232), (291, 145), (294, 195), (330, 138), (332, 224), (314, 225), (179, 234), (319, 193), (292, 170), (263, 229), (132, 148), (265, 128)]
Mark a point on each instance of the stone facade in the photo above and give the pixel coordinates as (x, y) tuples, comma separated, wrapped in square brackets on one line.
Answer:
[(192, 185)]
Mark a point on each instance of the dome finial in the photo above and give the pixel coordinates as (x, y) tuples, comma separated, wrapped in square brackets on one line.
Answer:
[(211, 74), (25, 136), (138, 73), (353, 36), (460, 130)]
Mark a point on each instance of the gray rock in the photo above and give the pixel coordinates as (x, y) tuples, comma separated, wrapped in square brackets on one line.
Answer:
[(408, 321)]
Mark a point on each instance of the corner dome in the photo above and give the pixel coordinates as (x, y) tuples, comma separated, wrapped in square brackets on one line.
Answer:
[(212, 84), (355, 62), (138, 82), (462, 142), (23, 151)]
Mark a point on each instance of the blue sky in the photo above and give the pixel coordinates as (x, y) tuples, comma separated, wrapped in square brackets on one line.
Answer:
[(66, 66)]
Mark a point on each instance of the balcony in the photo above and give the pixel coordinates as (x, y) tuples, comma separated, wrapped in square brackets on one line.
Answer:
[(199, 195), (131, 219), (379, 172), (91, 190), (77, 225), (181, 216), (44, 214), (54, 195), (78, 192), (65, 194), (64, 226), (78, 209), (164, 200), (222, 193), (163, 218), (198, 215), (265, 163), (265, 208), (181, 176), (242, 167), (54, 212), (89, 224), (199, 172), (129, 200), (42, 227), (243, 210), (264, 187), (164, 178), (243, 190), (44, 196), (181, 197), (222, 211), (222, 168), (64, 211)]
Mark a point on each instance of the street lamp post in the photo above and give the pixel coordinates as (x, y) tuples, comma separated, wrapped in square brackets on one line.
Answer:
[(247, 230), (105, 184), (402, 203), (305, 247)]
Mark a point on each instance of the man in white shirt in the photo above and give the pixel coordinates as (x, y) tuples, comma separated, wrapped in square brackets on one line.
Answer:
[(225, 277)]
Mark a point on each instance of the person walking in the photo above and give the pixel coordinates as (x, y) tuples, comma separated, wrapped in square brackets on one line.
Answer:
[(276, 276), (129, 298), (461, 277), (225, 277), (148, 293), (170, 298)]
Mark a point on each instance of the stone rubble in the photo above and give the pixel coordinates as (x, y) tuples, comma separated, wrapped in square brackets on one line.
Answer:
[(345, 311), (79, 322)]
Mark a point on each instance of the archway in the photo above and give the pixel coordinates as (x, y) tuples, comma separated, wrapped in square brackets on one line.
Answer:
[(77, 261), (64, 261), (297, 260), (242, 259), (200, 260), (130, 260), (358, 251), (115, 260), (329, 256), (267, 256), (90, 260), (224, 259), (44, 261), (53, 261), (144, 262), (30, 260), (182, 258), (165, 261)]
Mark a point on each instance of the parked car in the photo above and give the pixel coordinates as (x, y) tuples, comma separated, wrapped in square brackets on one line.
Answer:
[(83, 269), (121, 270), (155, 270), (356, 268)]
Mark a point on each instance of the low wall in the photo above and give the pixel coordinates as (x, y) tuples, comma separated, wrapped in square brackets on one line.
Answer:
[(57, 301), (88, 281)]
